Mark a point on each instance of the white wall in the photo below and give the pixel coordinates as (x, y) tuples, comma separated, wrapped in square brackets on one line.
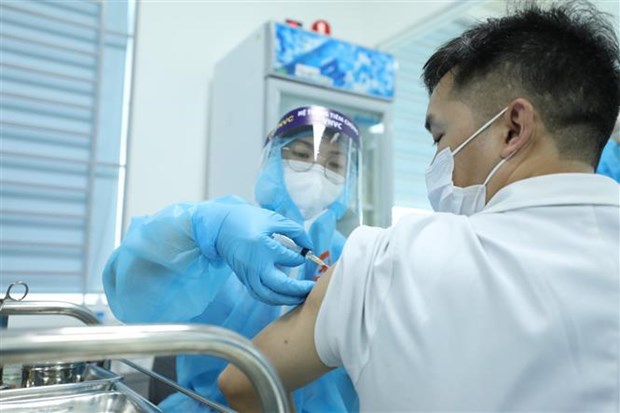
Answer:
[(177, 46)]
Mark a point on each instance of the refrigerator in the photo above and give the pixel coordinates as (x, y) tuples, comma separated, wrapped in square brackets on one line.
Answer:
[(278, 68)]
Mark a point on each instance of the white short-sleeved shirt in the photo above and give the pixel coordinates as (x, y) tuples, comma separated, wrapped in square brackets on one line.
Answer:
[(513, 309)]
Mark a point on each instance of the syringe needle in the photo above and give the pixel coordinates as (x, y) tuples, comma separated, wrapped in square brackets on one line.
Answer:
[(304, 252)]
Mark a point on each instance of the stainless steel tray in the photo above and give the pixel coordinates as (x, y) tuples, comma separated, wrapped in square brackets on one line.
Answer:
[(101, 392), (118, 399), (95, 378)]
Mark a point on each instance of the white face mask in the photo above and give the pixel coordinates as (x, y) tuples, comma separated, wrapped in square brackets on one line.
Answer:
[(310, 190), (443, 195)]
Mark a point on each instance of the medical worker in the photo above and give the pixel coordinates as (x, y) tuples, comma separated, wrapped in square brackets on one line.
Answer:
[(215, 262), (507, 298)]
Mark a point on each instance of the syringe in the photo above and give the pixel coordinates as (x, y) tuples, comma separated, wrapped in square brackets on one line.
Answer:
[(304, 252)]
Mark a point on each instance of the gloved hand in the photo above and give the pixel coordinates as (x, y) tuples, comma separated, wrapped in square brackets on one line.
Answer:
[(239, 233)]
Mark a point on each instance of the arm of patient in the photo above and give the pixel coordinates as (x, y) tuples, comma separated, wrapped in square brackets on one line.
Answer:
[(288, 343)]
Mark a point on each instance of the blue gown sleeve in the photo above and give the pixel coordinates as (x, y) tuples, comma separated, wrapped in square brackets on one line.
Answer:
[(158, 274)]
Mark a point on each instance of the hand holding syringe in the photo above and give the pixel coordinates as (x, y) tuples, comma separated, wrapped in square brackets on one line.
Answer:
[(304, 252)]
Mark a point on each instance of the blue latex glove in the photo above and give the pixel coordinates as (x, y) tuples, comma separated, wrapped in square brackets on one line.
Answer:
[(241, 234)]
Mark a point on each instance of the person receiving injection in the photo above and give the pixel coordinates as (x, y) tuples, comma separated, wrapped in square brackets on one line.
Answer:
[(178, 264)]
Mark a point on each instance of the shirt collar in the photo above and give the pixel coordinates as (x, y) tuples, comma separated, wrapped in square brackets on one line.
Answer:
[(556, 189)]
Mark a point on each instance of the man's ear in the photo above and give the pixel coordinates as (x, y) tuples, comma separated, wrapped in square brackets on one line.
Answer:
[(520, 121)]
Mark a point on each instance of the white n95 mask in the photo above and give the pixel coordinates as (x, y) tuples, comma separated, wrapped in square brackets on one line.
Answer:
[(310, 190), (443, 195)]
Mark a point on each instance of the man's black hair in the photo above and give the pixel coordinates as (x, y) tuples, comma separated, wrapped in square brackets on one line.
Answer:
[(564, 59)]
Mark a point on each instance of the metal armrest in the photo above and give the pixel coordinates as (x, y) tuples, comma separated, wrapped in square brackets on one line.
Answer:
[(79, 343)]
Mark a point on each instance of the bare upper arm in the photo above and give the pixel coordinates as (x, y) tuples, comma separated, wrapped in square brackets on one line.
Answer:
[(288, 343)]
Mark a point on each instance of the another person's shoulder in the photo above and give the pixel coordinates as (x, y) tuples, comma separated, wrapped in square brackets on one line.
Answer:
[(413, 226), (364, 248), (430, 231), (430, 220), (425, 247), (365, 235), (425, 238)]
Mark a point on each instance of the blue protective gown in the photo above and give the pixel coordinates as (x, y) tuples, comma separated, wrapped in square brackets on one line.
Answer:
[(159, 274), (609, 164)]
